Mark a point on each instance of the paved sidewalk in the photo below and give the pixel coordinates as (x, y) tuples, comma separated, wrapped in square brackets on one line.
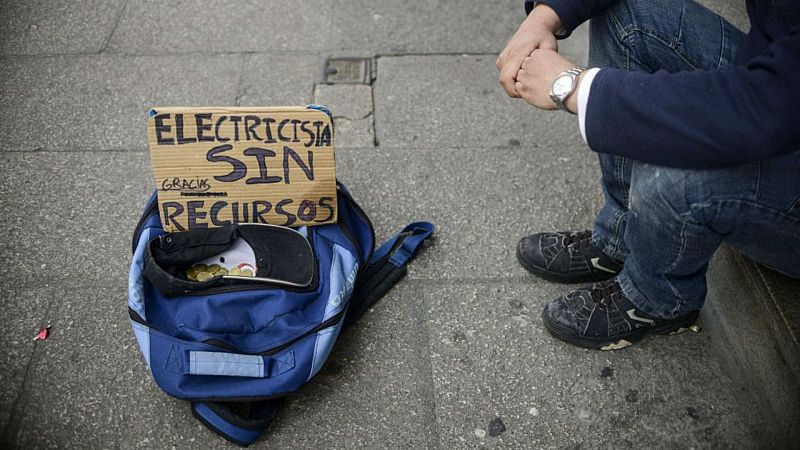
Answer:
[(455, 357)]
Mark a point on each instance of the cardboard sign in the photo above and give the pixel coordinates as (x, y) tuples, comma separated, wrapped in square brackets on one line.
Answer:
[(218, 166)]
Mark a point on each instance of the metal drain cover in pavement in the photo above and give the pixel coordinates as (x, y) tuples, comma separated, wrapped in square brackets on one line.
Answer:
[(348, 70)]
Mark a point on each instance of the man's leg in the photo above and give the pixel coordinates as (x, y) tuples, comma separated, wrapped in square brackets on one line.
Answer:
[(667, 217), (768, 229), (679, 217), (649, 36)]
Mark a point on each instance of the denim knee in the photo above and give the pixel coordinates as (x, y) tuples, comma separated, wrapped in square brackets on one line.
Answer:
[(652, 35), (613, 34), (658, 190), (664, 273)]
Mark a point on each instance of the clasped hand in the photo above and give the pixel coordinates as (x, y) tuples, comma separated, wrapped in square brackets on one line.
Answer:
[(530, 62)]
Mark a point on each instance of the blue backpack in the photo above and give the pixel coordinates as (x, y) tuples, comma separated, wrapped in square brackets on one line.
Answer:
[(235, 347)]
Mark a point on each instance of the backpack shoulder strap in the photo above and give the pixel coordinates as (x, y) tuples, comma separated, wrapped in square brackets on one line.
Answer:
[(387, 267), (239, 422)]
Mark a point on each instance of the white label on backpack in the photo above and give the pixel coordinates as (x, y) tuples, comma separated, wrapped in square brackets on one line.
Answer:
[(342, 278), (348, 288)]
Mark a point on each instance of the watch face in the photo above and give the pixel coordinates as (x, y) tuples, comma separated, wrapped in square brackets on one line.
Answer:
[(562, 85)]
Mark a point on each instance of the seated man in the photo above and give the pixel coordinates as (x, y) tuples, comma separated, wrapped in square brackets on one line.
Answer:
[(695, 125)]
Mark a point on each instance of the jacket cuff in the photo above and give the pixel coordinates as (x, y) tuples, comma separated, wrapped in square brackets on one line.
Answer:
[(584, 88), (565, 11), (600, 111)]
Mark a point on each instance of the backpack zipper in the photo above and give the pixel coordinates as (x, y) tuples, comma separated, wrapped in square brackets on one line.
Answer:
[(333, 320)]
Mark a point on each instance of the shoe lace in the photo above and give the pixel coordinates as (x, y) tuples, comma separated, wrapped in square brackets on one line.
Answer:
[(581, 239), (601, 292)]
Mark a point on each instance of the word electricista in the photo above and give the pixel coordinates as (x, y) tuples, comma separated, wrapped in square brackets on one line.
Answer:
[(236, 128)]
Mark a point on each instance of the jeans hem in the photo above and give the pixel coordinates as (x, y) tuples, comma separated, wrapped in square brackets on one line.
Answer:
[(639, 300), (608, 249)]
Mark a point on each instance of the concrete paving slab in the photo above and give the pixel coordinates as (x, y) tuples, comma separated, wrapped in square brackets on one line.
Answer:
[(89, 386), (376, 390), (352, 108), (272, 26), (373, 394), (734, 12), (459, 190), (351, 101), (483, 200), (277, 80), (433, 26), (22, 313), (40, 27), (66, 214), (521, 190), (354, 133), (100, 102), (493, 361), (419, 102)]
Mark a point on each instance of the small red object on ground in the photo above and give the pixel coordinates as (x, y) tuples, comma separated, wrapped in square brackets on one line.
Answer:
[(43, 333)]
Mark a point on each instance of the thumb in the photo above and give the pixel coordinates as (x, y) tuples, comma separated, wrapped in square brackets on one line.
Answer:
[(549, 44)]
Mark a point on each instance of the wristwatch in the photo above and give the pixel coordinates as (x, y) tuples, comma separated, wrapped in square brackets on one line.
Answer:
[(564, 85)]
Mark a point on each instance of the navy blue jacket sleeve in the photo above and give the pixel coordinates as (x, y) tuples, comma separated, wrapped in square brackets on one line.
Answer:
[(700, 119), (572, 13)]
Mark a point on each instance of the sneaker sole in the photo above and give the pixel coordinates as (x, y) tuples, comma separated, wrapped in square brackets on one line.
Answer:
[(557, 277), (619, 342)]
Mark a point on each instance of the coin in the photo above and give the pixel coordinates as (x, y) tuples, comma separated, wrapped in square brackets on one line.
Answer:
[(235, 271), (214, 269), (203, 276), (223, 271), (247, 273)]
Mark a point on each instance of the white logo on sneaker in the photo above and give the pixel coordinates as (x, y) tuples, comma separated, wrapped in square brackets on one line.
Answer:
[(622, 343), (596, 264), (632, 314)]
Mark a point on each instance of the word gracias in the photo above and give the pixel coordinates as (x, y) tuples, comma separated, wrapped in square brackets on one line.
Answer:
[(238, 128)]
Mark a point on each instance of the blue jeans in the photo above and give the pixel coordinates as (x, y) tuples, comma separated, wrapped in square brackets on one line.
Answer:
[(666, 223)]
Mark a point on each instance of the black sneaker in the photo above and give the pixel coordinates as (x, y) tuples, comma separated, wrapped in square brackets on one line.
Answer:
[(566, 257), (601, 317)]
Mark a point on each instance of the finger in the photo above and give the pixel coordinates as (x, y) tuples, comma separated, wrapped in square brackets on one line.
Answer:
[(549, 45), (508, 86), (507, 80), (508, 75)]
